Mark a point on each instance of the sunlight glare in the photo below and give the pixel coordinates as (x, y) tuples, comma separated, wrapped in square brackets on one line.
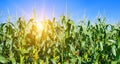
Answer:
[(40, 27)]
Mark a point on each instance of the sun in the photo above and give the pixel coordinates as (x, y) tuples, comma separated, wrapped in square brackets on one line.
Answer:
[(39, 26)]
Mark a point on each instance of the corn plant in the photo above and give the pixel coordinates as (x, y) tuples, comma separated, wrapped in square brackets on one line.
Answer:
[(59, 42)]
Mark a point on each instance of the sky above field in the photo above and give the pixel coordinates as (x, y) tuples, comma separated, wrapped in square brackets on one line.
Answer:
[(75, 9)]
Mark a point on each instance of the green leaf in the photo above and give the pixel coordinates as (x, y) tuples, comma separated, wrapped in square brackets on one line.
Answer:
[(114, 50), (3, 59), (119, 42), (114, 62), (72, 48), (21, 59), (12, 58), (101, 46), (88, 23), (112, 41)]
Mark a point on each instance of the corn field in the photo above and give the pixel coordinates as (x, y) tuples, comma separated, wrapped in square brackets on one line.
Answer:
[(59, 42)]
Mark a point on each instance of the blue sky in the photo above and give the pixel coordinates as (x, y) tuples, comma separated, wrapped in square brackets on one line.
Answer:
[(76, 9)]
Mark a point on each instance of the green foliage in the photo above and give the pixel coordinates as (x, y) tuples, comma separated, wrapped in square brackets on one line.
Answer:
[(61, 42)]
